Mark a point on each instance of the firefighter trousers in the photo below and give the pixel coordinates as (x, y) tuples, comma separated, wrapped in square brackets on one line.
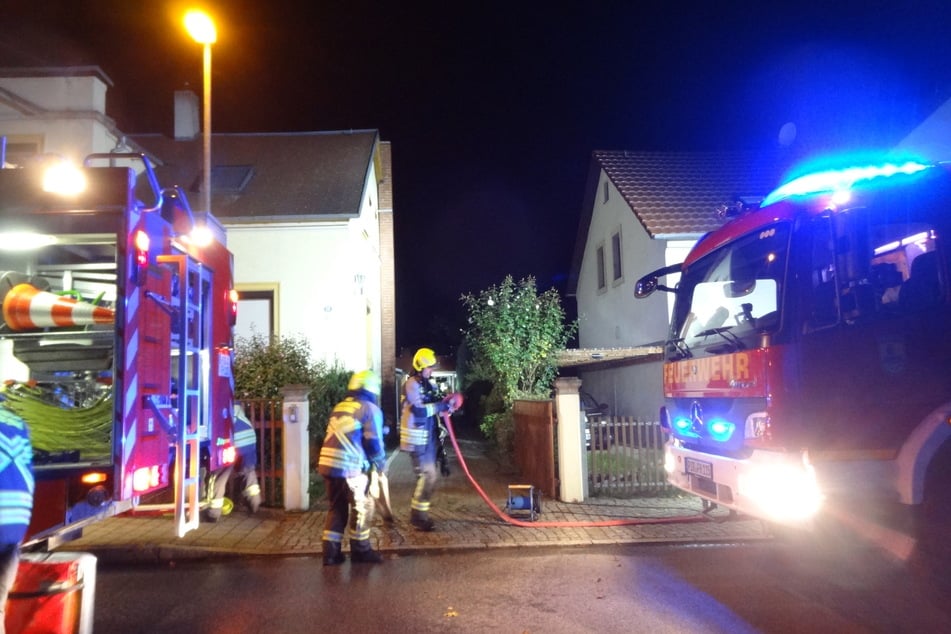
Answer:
[(350, 507), (424, 466)]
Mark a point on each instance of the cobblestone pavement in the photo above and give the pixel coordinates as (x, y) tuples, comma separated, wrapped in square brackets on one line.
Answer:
[(464, 520)]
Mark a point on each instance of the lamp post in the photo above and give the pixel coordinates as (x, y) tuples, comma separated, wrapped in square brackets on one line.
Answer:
[(202, 29)]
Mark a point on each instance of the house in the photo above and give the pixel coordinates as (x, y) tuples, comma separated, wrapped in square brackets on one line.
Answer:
[(308, 215), (643, 211)]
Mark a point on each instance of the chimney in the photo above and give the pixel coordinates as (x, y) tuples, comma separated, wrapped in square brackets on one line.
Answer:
[(186, 115)]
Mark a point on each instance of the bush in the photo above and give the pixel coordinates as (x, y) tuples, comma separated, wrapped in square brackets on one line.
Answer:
[(262, 366), (513, 338)]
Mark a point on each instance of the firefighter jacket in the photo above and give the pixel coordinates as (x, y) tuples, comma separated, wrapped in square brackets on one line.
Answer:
[(421, 404), (16, 478), (354, 439), (245, 442)]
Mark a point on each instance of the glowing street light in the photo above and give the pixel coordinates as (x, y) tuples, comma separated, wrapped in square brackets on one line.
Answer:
[(202, 29)]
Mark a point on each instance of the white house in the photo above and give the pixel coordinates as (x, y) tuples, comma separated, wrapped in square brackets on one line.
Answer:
[(643, 211), (309, 215)]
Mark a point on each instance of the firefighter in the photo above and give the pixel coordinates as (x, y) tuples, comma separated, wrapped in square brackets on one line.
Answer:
[(352, 446), (246, 443), (420, 433), (16, 497), (215, 488)]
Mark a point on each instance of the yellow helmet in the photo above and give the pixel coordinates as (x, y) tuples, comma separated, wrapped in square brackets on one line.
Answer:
[(366, 380), (424, 358)]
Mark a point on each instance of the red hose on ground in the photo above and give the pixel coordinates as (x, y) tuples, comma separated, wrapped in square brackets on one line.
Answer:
[(590, 524)]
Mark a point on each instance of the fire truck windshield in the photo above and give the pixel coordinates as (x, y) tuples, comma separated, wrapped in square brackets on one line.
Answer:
[(731, 296)]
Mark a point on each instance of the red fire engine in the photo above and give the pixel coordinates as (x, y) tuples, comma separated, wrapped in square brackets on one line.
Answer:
[(116, 344), (809, 353)]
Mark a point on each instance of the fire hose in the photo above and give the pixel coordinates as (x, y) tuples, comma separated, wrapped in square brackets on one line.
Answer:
[(562, 524)]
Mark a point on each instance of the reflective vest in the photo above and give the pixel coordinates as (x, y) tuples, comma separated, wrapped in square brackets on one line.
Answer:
[(16, 478), (418, 419), (354, 439), (245, 441)]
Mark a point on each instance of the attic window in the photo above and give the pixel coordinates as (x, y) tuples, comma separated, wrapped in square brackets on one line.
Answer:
[(605, 194), (227, 179)]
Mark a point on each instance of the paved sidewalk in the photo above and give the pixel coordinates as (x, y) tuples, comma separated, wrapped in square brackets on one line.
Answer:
[(464, 520)]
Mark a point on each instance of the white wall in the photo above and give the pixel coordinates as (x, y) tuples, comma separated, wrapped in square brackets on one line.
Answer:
[(614, 318), (74, 124), (315, 267)]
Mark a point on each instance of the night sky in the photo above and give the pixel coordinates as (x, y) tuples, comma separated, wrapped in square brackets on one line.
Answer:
[(494, 108)]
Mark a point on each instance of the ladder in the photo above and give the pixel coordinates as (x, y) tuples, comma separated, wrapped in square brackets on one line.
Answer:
[(189, 332)]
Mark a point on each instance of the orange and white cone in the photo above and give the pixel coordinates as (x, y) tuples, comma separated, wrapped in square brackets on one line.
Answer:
[(26, 307)]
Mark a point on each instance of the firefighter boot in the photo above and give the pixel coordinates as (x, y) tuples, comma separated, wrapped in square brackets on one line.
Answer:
[(362, 553), (332, 554), (421, 521)]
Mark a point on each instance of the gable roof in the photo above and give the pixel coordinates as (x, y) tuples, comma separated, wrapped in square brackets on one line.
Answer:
[(674, 195), (271, 177)]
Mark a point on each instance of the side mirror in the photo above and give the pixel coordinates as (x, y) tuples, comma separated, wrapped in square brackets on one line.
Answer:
[(645, 286), (649, 283)]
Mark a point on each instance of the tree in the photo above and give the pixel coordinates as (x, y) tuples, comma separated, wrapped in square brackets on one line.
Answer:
[(514, 337), (263, 365)]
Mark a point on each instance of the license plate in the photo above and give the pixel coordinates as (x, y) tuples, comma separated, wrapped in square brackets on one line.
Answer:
[(699, 468)]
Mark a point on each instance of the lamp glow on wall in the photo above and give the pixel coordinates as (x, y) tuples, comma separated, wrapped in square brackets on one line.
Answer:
[(201, 28)]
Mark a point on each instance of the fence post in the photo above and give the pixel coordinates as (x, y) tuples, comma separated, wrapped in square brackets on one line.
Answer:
[(572, 457), (296, 414)]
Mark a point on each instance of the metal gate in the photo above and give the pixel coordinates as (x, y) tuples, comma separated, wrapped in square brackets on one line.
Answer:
[(626, 458)]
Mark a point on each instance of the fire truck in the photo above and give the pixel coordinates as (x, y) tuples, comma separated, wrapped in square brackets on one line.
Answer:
[(809, 354), (116, 343)]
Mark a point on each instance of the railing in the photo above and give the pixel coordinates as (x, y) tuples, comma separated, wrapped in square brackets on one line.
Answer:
[(267, 417), (626, 458)]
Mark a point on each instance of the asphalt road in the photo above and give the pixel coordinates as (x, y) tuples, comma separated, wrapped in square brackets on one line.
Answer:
[(762, 587)]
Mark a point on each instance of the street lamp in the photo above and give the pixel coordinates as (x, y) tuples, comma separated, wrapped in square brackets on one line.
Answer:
[(202, 29)]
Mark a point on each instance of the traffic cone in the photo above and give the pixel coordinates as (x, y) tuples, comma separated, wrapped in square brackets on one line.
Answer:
[(26, 307)]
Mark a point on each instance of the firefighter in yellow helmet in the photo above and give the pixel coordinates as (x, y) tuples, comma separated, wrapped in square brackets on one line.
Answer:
[(419, 433), (353, 444)]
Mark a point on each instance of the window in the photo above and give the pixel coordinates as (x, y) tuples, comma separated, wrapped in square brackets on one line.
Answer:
[(21, 148), (601, 276), (605, 192), (616, 256), (257, 310)]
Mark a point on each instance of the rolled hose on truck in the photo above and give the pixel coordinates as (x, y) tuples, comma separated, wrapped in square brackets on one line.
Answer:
[(563, 524)]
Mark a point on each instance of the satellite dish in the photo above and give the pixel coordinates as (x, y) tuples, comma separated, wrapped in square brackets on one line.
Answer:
[(787, 134)]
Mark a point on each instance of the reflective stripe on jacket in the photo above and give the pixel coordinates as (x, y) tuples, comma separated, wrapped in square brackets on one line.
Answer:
[(354, 439), (418, 418), (16, 478)]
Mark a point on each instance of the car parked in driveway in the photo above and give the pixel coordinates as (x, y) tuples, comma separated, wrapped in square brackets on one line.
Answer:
[(598, 433)]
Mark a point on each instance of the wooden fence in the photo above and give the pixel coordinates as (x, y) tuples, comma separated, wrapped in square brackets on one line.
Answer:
[(626, 458)]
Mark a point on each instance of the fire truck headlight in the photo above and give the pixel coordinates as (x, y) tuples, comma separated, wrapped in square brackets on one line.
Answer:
[(757, 425), (670, 462), (786, 493)]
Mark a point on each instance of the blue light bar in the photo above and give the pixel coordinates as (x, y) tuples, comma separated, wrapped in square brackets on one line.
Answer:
[(835, 181)]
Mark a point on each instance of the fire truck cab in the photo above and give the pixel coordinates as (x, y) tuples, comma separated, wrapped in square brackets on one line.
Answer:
[(116, 343), (809, 353)]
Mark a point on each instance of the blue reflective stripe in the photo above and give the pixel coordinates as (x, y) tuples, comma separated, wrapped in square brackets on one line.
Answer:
[(244, 438)]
